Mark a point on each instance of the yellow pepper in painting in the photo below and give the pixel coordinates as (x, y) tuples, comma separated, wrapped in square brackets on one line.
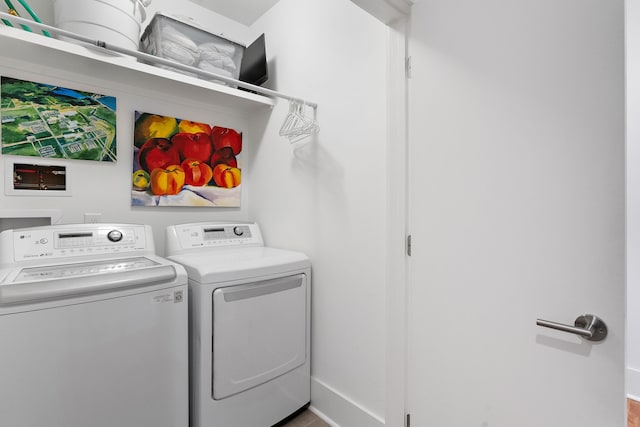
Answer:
[(167, 181), (226, 176)]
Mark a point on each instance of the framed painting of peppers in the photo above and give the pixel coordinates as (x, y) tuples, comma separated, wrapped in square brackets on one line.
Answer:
[(179, 162)]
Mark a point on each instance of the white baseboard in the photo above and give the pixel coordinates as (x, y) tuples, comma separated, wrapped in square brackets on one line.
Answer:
[(633, 383), (338, 410)]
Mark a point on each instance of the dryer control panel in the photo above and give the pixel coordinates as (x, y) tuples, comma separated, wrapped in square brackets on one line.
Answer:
[(199, 235)]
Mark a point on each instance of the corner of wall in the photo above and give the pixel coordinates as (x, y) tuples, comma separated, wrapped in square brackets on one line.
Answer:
[(344, 411)]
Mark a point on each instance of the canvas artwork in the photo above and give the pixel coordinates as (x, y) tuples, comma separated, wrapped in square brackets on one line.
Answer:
[(49, 121), (179, 162)]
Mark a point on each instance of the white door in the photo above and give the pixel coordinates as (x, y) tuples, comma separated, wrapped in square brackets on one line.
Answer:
[(516, 212)]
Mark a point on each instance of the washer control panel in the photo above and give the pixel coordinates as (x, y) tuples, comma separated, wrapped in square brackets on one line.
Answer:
[(199, 235), (79, 240)]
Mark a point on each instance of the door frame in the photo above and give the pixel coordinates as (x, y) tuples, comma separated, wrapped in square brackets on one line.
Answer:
[(397, 224)]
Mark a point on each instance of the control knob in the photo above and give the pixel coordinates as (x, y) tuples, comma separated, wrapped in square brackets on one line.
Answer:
[(114, 235), (238, 231)]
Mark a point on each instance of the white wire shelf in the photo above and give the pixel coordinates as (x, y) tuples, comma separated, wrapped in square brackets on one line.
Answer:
[(112, 62)]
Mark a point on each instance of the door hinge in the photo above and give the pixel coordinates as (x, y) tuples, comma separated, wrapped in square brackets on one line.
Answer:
[(408, 420), (407, 66), (409, 245)]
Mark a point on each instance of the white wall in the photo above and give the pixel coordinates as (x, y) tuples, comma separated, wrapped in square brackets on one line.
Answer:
[(42, 8), (632, 17), (205, 18), (327, 196)]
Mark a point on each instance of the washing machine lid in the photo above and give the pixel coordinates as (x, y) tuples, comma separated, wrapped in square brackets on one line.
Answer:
[(68, 280), (209, 266)]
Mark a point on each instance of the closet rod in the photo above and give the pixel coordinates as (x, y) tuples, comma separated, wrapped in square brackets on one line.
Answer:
[(145, 57)]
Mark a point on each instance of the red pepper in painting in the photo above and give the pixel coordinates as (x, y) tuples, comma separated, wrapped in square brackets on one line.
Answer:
[(224, 156), (193, 145), (225, 137), (157, 153), (196, 172)]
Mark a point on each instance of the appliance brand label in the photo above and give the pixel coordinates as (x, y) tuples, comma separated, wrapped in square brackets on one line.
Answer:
[(177, 296), (174, 297)]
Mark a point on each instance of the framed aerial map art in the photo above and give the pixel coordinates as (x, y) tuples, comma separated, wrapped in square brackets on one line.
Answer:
[(49, 121)]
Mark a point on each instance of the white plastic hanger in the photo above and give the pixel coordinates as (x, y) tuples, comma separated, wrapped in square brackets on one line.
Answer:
[(297, 125)]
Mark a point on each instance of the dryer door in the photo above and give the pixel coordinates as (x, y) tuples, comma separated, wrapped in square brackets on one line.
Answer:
[(259, 333)]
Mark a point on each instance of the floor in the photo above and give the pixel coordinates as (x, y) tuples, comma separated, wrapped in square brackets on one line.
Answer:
[(309, 419), (306, 419), (633, 413)]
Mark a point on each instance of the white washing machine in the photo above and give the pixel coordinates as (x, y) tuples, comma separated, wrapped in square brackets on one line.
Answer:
[(250, 325), (93, 329)]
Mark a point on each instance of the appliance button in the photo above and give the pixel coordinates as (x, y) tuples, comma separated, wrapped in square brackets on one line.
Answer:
[(238, 231)]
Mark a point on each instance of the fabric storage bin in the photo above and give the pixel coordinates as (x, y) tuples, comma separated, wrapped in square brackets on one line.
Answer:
[(179, 40)]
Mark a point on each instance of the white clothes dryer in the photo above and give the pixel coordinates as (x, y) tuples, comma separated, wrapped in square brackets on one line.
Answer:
[(250, 325), (93, 329)]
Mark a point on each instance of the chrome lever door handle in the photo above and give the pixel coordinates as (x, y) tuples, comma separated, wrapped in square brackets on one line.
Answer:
[(590, 327)]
